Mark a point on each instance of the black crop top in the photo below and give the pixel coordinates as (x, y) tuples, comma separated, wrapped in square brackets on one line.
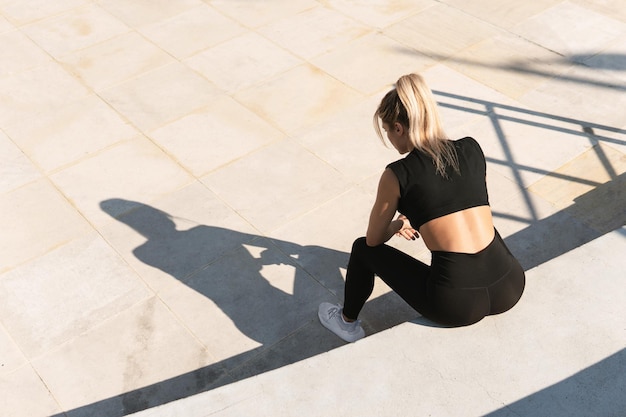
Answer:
[(426, 195)]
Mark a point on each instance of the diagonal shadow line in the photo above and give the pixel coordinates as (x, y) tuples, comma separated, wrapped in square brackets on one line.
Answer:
[(513, 217), (601, 154), (548, 173), (531, 112), (585, 126), (288, 351), (285, 352), (593, 214), (600, 386), (521, 67), (512, 164)]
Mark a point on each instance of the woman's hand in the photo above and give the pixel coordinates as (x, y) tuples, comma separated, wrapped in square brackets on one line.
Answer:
[(407, 231)]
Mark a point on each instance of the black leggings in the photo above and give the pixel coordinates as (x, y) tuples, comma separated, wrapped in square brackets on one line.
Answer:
[(458, 289)]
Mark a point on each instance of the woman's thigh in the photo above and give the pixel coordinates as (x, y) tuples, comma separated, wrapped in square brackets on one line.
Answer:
[(458, 307), (405, 275)]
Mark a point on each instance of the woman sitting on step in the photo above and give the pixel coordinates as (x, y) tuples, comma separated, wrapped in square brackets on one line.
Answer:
[(439, 190)]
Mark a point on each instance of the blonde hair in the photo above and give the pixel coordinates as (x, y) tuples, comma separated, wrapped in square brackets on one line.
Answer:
[(411, 103)]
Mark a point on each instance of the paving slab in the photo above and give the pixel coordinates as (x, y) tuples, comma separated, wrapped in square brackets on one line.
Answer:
[(255, 186), (192, 31), (60, 295), (77, 29), (116, 60)]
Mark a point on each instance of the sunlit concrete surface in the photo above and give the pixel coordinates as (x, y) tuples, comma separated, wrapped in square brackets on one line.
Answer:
[(181, 182)]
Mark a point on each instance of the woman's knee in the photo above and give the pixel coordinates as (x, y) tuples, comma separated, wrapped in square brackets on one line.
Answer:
[(359, 245)]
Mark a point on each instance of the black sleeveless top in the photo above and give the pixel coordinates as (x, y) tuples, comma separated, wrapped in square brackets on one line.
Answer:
[(426, 195)]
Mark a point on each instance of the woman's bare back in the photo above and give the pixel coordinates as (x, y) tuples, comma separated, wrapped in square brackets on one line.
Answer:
[(466, 231)]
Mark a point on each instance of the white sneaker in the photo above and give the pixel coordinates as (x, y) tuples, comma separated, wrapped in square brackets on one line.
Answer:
[(330, 316)]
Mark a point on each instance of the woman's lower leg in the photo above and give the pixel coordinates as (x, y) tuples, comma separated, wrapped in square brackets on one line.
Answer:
[(404, 274), (359, 283)]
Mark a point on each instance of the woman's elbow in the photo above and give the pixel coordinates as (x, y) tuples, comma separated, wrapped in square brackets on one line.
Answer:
[(372, 241)]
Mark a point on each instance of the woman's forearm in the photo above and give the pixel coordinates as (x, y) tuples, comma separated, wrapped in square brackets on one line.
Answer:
[(394, 227)]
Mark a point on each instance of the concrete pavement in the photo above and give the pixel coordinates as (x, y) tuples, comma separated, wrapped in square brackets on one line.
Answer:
[(181, 182)]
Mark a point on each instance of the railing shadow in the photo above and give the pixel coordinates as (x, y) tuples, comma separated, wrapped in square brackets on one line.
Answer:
[(592, 214)]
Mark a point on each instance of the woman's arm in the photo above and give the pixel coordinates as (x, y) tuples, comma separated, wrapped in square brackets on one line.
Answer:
[(381, 224)]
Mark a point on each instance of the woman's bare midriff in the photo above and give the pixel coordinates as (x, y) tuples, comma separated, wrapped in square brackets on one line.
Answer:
[(465, 231)]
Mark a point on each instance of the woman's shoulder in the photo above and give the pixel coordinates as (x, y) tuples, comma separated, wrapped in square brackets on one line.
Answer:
[(398, 167), (405, 159), (468, 142)]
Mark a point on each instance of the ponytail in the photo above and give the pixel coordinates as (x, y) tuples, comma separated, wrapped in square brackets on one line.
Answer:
[(413, 105)]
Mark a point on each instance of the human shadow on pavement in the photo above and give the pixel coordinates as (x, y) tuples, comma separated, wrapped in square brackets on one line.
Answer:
[(226, 266), (274, 314)]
